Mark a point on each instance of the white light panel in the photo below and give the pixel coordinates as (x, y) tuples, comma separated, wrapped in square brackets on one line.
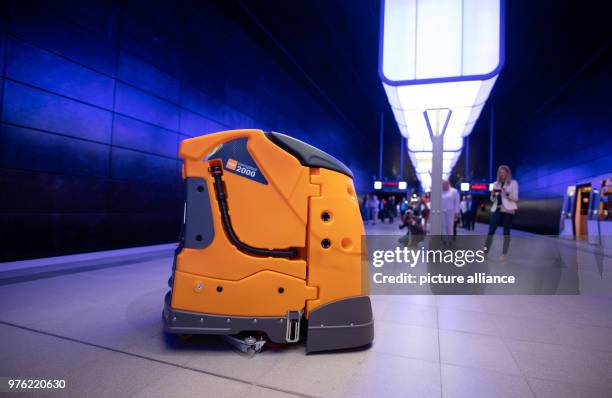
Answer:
[(439, 54)]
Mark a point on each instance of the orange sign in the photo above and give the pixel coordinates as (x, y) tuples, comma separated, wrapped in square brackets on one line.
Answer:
[(231, 164)]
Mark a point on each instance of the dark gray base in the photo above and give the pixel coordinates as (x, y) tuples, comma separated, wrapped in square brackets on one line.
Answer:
[(186, 322), (346, 323), (338, 325)]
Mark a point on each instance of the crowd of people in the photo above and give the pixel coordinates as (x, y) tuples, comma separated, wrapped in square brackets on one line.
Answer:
[(414, 213), (416, 210), (386, 209)]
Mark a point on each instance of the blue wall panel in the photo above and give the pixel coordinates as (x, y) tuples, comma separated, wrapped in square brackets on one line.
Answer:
[(148, 77), (2, 45), (138, 166), (238, 119), (48, 192), (129, 196), (134, 134), (202, 103), (41, 234), (30, 107), (35, 150), (140, 105), (26, 63), (142, 228), (65, 38), (194, 125), (154, 41), (96, 17), (571, 140)]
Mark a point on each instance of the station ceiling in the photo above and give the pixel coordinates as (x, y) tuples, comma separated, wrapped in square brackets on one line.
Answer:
[(550, 47)]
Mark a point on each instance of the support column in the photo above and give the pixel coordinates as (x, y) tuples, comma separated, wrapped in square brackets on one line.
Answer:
[(437, 120), (467, 159), (491, 131), (402, 149), (380, 154)]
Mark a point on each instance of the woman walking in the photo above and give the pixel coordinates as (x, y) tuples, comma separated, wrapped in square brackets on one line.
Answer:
[(504, 195)]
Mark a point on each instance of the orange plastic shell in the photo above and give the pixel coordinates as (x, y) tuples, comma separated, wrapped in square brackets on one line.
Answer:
[(284, 213)]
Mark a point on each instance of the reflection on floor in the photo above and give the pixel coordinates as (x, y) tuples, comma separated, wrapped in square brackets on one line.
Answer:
[(101, 331)]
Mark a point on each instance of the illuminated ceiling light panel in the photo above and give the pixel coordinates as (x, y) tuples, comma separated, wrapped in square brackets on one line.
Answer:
[(422, 161), (425, 179), (437, 54)]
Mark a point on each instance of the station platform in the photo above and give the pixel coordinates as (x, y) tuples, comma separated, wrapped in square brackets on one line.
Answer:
[(95, 321)]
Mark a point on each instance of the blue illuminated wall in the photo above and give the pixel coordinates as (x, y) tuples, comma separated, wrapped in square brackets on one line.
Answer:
[(571, 140), (97, 97)]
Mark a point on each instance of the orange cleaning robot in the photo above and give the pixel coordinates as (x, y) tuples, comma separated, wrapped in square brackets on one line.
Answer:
[(271, 246)]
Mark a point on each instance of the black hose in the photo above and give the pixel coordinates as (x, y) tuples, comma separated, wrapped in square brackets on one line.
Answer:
[(229, 230)]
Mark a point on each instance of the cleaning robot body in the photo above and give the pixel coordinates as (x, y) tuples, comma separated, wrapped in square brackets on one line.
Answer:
[(271, 245)]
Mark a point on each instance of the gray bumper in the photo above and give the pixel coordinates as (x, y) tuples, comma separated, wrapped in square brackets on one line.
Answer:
[(186, 322), (341, 324), (346, 323)]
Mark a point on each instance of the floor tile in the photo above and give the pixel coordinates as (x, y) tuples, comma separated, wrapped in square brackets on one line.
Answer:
[(554, 389), (105, 325), (563, 364), (410, 314), (467, 303), (264, 392), (554, 332), (458, 382), (466, 321), (391, 376), (417, 299), (477, 351), (214, 355), (59, 359), (189, 384), (117, 375), (173, 349), (378, 308), (15, 341), (321, 375), (406, 340)]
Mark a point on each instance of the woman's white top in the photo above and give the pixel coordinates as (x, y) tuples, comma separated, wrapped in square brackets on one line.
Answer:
[(463, 206), (509, 198)]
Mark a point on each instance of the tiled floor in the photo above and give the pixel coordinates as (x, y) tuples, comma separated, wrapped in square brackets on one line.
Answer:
[(101, 331)]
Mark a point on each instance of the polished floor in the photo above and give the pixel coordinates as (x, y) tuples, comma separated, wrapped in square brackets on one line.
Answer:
[(101, 331)]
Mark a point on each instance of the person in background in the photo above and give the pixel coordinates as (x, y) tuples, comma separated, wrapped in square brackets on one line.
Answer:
[(456, 222), (404, 205), (374, 206), (425, 211), (414, 224), (382, 214), (472, 207), (504, 195), (391, 209), (464, 211), (450, 208), (365, 208)]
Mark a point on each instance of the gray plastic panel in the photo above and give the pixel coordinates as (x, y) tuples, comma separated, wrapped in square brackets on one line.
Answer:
[(307, 154), (341, 324), (186, 322), (199, 229)]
